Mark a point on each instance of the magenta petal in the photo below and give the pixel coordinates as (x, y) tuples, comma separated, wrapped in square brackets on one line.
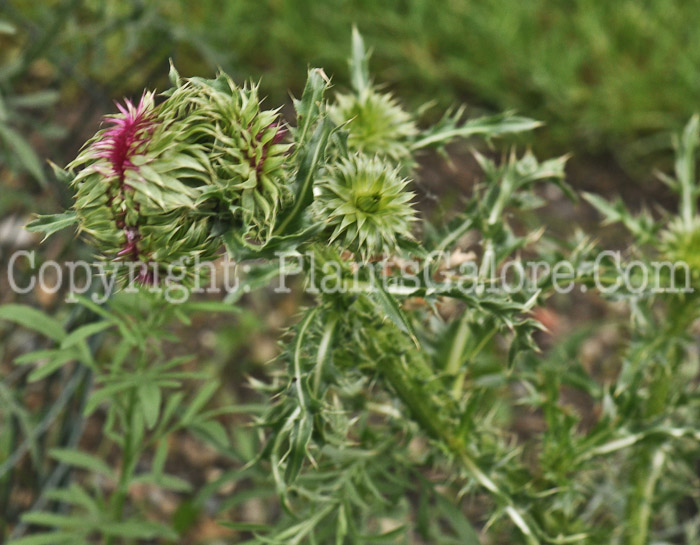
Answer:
[(126, 136)]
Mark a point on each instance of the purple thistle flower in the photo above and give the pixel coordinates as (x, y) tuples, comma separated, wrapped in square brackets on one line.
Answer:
[(127, 136)]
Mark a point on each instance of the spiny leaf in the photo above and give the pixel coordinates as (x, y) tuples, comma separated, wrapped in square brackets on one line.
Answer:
[(310, 159), (392, 308), (310, 106), (52, 223), (359, 63), (449, 128)]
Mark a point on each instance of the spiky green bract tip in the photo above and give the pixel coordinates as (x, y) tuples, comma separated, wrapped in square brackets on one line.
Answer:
[(137, 186), (244, 146), (376, 123), (366, 205), (680, 243)]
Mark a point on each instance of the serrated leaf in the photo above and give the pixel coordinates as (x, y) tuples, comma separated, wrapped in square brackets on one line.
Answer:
[(308, 109), (311, 157), (51, 223), (449, 128), (642, 227), (391, 307)]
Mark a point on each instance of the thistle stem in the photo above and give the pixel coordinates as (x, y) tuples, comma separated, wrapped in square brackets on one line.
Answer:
[(650, 460), (648, 471), (434, 424), (130, 450)]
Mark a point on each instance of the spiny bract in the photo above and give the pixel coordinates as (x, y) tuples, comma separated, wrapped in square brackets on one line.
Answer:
[(681, 244), (244, 146), (366, 204), (376, 124)]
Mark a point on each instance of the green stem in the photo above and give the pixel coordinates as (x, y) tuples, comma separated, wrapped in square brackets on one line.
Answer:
[(458, 385), (687, 208), (130, 450), (434, 424), (323, 351), (650, 459), (420, 408), (649, 466), (685, 170), (454, 358)]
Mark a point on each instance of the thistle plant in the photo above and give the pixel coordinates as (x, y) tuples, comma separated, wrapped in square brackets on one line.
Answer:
[(650, 394), (392, 402)]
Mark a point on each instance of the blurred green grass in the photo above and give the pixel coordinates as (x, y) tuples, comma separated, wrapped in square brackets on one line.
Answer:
[(604, 76)]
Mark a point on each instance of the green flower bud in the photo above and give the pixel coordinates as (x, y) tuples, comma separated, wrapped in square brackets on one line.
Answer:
[(376, 123), (244, 146), (366, 205)]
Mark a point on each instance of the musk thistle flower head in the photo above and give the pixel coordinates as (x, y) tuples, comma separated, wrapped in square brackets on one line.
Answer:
[(366, 204), (137, 186), (244, 144), (376, 123)]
